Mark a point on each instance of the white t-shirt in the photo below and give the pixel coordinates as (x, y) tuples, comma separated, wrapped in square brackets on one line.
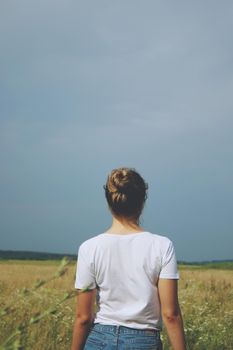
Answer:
[(125, 270)]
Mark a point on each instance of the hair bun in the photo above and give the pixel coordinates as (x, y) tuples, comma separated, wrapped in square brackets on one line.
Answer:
[(119, 181), (125, 192)]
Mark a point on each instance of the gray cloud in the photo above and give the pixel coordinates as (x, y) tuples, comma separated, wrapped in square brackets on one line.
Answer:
[(87, 87)]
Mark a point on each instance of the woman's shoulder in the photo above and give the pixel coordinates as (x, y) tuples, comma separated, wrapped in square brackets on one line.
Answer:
[(92, 241), (160, 238)]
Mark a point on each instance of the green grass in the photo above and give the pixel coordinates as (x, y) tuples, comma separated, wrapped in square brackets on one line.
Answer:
[(218, 265)]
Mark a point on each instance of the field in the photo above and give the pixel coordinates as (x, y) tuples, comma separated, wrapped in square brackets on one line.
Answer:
[(37, 305)]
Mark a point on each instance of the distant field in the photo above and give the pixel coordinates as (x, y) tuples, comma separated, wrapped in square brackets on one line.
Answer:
[(218, 265), (34, 298)]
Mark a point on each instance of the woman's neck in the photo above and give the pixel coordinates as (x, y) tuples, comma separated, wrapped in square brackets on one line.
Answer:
[(122, 226)]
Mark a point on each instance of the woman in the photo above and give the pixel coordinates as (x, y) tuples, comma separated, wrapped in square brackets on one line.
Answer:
[(131, 273)]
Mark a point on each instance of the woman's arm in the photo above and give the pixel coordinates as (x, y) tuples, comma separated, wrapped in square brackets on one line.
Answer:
[(171, 313), (84, 318)]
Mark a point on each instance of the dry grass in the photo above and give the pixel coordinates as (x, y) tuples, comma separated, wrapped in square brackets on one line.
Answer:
[(54, 330), (206, 298)]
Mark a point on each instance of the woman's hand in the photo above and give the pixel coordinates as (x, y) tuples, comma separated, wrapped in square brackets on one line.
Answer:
[(84, 318), (171, 313)]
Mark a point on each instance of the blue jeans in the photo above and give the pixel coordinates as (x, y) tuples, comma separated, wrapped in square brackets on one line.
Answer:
[(108, 337)]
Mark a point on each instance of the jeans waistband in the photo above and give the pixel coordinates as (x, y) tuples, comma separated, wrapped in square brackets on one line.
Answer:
[(118, 329)]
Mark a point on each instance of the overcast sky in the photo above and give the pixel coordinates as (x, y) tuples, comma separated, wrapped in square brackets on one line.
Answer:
[(89, 86)]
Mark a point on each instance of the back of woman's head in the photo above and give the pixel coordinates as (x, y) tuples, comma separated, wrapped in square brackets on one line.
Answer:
[(126, 192)]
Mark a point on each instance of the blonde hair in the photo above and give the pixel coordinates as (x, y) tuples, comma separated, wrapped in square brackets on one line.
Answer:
[(126, 193)]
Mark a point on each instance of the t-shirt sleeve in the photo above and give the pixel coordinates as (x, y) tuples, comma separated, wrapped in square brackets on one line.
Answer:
[(169, 263), (85, 278)]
